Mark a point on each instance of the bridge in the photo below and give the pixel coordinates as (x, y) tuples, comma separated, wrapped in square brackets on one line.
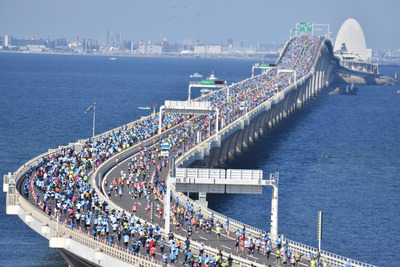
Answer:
[(94, 200)]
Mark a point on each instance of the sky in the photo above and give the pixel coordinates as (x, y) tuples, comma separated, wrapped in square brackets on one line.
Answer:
[(210, 21)]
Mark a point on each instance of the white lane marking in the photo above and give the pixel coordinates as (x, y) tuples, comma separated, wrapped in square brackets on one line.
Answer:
[(224, 235), (139, 204), (252, 257), (226, 247), (203, 238)]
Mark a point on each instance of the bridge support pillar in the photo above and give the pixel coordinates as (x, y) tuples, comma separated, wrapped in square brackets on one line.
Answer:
[(202, 199)]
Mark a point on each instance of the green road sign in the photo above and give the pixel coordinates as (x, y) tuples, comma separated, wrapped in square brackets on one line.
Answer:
[(305, 26), (264, 65), (207, 82)]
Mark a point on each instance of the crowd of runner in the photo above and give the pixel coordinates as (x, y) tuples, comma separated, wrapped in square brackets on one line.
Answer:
[(59, 184)]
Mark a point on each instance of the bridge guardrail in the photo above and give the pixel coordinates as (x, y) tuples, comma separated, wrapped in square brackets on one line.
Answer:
[(66, 232)]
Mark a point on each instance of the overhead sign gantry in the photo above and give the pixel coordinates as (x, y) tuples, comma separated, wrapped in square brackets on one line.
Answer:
[(231, 181), (187, 107), (311, 28), (263, 66), (206, 84)]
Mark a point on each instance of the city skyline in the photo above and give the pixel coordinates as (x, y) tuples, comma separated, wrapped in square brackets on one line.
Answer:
[(209, 21)]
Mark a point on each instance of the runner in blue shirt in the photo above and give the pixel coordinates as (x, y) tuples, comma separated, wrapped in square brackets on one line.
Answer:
[(279, 242), (172, 257)]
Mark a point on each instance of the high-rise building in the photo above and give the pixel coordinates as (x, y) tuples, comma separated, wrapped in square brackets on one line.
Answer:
[(106, 38), (238, 43), (6, 41), (227, 42)]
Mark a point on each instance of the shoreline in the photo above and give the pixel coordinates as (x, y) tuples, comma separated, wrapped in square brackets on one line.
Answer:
[(251, 57)]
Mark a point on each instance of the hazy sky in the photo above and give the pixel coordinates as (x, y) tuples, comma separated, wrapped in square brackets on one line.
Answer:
[(209, 20)]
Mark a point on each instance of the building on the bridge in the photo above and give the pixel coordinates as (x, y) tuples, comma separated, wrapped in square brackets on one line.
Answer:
[(350, 42)]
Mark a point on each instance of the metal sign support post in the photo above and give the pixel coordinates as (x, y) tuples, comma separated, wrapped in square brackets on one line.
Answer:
[(216, 124), (189, 92), (167, 207), (274, 205), (94, 117), (160, 122), (319, 234)]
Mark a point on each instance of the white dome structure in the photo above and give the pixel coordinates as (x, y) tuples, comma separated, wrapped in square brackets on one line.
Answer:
[(351, 36)]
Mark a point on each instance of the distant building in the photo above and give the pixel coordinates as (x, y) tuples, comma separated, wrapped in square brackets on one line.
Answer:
[(150, 49), (200, 49), (155, 49), (26, 42), (36, 48), (267, 47), (6, 41), (350, 42), (238, 43), (227, 42), (214, 49), (106, 38)]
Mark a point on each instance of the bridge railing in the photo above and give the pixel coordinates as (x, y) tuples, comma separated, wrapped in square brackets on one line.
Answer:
[(332, 258), (66, 232)]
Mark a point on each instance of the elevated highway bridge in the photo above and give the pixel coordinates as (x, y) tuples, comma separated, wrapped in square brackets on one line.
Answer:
[(79, 171)]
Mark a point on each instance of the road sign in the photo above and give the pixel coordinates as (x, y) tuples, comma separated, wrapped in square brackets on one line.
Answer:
[(219, 181), (305, 26), (185, 107), (264, 65), (207, 82), (154, 105)]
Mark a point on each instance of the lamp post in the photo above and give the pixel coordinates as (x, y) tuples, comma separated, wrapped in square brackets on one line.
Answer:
[(160, 121), (216, 123), (319, 234), (94, 115)]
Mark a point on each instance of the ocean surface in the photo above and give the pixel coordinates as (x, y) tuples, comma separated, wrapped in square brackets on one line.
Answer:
[(339, 154)]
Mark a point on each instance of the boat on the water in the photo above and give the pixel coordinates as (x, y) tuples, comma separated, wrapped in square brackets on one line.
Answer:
[(345, 91), (143, 107), (212, 76), (205, 91), (112, 58), (196, 75)]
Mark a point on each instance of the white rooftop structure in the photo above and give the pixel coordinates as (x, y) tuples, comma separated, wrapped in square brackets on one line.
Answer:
[(352, 37)]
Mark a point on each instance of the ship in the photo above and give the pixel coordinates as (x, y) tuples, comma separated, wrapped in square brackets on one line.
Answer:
[(196, 75), (112, 58), (212, 76), (143, 107), (345, 91)]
